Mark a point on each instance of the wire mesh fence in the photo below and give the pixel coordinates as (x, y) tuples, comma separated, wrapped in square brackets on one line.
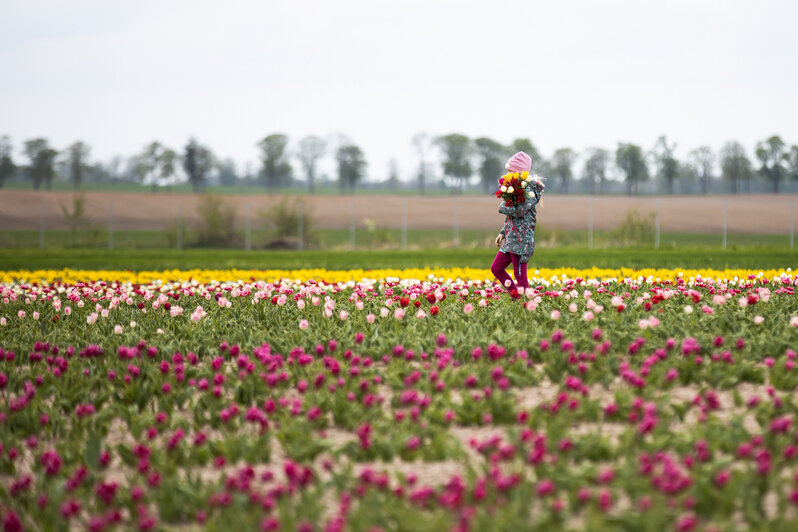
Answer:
[(52, 220)]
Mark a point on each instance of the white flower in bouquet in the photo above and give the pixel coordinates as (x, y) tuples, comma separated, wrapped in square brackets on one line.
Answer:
[(510, 190), (503, 189)]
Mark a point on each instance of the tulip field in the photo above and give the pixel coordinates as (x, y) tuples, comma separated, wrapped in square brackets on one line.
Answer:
[(416, 399)]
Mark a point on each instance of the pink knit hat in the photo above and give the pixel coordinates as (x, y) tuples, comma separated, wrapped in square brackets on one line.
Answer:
[(520, 162)]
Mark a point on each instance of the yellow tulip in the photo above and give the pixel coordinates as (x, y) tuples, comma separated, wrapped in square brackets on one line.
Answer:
[(547, 275)]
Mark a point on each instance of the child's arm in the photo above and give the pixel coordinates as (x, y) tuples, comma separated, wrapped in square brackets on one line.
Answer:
[(536, 183), (515, 211)]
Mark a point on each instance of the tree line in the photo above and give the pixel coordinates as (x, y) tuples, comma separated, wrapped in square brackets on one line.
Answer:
[(775, 162), (459, 157)]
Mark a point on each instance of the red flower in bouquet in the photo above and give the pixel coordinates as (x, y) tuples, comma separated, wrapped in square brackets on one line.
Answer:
[(514, 188)]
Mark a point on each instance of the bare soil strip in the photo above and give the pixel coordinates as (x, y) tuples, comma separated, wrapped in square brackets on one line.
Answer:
[(761, 214)]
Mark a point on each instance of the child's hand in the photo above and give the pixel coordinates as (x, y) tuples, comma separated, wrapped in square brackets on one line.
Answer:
[(500, 240)]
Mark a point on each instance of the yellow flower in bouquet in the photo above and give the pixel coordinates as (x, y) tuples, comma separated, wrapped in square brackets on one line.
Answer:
[(512, 186)]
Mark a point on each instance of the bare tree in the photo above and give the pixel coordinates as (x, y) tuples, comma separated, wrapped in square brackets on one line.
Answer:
[(42, 161), (735, 165), (702, 160), (629, 159), (491, 162), (113, 167), (351, 166), (149, 162), (7, 166), (311, 149), (421, 142), (78, 154), (167, 163), (771, 155), (198, 161), (393, 174), (228, 175), (457, 150), (667, 165), (563, 160), (792, 162), (276, 168), (596, 168)]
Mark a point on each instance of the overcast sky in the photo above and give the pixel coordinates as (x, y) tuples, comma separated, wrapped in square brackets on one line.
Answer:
[(573, 73)]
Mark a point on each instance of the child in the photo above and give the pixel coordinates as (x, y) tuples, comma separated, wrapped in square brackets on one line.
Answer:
[(516, 240)]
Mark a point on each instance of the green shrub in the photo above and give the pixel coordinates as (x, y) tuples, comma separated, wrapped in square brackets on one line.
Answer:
[(217, 226), (379, 235), (82, 232), (636, 229), (175, 231), (284, 218)]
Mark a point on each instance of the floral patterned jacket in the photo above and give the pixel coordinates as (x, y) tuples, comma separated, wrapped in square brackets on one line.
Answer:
[(519, 225)]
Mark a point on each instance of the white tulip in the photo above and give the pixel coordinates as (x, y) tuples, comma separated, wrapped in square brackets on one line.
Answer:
[(503, 189), (510, 190)]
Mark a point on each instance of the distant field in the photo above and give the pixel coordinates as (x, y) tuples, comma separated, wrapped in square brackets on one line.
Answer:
[(631, 257), (762, 215)]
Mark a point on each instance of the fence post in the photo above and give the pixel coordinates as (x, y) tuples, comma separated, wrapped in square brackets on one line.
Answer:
[(111, 226), (351, 224), (248, 229), (724, 224), (41, 225), (179, 226), (590, 225), (299, 226), (656, 234), (456, 238), (404, 223)]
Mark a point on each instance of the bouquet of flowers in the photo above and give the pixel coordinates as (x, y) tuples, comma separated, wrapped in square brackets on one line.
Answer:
[(515, 187)]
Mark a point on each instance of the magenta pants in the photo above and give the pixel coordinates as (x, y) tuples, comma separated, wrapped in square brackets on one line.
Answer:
[(499, 267)]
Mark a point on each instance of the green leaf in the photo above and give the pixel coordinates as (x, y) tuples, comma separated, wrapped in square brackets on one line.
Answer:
[(91, 456)]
